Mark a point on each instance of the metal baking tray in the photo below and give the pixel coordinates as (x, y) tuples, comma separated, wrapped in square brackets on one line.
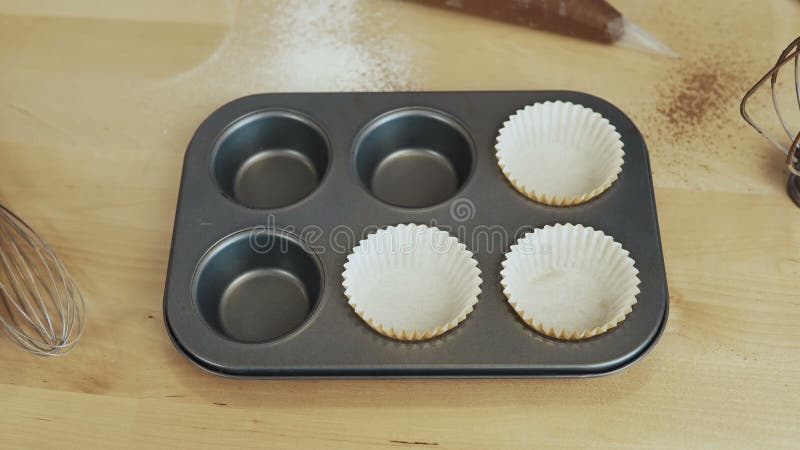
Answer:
[(254, 280)]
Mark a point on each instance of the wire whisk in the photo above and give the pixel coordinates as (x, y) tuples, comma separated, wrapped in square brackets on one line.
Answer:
[(791, 53), (42, 308)]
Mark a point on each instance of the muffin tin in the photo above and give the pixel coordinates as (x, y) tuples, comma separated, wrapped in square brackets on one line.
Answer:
[(277, 189)]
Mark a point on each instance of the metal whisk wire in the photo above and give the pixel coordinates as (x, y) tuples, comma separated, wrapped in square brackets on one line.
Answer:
[(792, 52), (42, 308)]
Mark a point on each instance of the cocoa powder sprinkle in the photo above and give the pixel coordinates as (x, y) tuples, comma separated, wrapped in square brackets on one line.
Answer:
[(699, 100)]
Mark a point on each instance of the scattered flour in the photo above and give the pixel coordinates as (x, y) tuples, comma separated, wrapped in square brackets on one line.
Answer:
[(308, 45), (338, 45)]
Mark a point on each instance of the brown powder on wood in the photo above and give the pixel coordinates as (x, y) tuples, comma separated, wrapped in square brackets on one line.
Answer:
[(699, 101), (699, 93), (695, 115)]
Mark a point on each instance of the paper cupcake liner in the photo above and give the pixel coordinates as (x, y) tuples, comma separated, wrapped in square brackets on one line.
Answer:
[(570, 281), (559, 153), (411, 282)]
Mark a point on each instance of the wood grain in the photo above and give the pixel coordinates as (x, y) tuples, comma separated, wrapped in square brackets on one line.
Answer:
[(99, 99)]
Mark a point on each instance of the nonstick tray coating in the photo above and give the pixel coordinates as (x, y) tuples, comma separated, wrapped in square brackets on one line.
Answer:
[(340, 185)]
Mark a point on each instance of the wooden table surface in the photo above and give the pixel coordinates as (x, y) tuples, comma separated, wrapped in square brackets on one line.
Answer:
[(99, 99)]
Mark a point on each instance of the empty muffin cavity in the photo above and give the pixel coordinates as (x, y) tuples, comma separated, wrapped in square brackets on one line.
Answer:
[(413, 158), (270, 159), (257, 285)]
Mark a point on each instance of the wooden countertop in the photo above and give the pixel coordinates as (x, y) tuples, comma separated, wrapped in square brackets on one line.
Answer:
[(98, 101)]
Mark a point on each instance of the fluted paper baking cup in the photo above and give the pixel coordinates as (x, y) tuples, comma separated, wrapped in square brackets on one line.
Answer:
[(559, 153), (411, 282), (570, 281)]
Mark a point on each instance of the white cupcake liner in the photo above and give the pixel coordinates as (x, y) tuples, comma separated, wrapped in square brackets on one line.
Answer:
[(411, 282), (570, 281), (559, 153)]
